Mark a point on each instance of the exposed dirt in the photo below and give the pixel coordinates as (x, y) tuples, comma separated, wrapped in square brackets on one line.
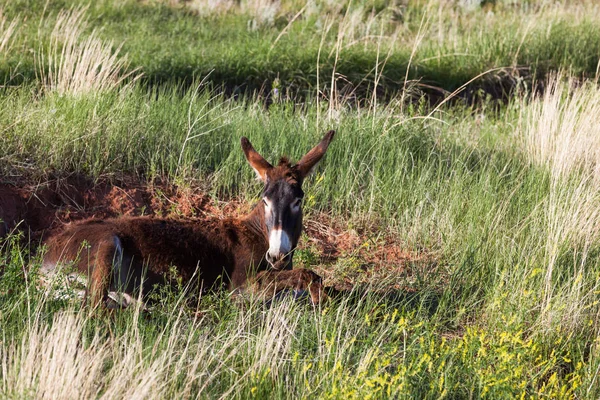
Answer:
[(42, 208), (345, 257), (349, 257)]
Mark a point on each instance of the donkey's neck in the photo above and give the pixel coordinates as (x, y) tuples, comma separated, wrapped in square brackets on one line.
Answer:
[(255, 222)]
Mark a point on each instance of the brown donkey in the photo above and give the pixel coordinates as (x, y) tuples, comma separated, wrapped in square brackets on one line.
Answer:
[(115, 258)]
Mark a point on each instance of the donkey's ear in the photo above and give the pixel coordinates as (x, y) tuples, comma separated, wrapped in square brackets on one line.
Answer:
[(308, 162), (258, 163)]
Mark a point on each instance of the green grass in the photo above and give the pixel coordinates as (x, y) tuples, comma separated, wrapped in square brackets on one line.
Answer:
[(504, 196), (362, 345), (175, 45)]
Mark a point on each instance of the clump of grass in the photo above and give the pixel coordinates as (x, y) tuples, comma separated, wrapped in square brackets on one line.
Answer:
[(561, 134), (51, 362), (561, 130), (262, 12), (73, 65), (7, 32)]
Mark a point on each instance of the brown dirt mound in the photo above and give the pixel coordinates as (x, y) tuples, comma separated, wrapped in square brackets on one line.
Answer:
[(41, 208)]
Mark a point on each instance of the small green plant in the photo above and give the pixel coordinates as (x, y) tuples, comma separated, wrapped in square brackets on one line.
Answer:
[(14, 273)]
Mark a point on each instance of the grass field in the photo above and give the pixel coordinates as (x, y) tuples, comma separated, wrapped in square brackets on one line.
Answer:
[(467, 139)]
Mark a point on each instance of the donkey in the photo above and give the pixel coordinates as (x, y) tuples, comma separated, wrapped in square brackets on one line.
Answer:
[(113, 259)]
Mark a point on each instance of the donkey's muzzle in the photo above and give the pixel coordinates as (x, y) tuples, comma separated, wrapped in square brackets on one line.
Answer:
[(279, 263)]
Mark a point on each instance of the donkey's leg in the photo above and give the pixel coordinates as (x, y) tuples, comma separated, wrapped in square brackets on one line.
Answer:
[(114, 276), (106, 258), (126, 279), (272, 282)]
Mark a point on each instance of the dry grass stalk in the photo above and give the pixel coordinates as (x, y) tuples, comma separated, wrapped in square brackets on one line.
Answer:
[(78, 66), (52, 363), (7, 31), (561, 134)]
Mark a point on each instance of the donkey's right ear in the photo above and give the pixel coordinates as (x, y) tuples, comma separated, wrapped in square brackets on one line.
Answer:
[(256, 161)]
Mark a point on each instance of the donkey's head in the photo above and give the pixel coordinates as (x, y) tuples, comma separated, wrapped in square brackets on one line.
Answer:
[(282, 198)]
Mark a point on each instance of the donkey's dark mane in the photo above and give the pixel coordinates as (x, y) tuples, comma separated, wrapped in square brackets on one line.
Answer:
[(286, 171)]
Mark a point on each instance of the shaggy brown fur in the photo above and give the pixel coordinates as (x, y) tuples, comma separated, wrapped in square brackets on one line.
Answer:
[(203, 252), (269, 283), (115, 254)]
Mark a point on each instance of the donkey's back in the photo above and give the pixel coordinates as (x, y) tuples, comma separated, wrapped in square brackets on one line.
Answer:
[(115, 254)]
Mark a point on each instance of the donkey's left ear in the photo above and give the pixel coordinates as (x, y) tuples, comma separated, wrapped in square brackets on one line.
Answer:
[(308, 162)]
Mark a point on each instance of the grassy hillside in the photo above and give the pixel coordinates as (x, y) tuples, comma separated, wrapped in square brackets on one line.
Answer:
[(352, 47), (495, 202)]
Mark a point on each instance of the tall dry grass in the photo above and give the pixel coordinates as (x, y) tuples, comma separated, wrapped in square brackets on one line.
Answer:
[(76, 65), (61, 360), (561, 134), (562, 131), (7, 32), (53, 362)]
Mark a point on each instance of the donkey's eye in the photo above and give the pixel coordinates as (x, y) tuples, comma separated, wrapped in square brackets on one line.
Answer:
[(296, 204)]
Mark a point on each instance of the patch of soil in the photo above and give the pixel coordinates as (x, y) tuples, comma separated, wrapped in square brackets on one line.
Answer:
[(350, 257), (41, 208)]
